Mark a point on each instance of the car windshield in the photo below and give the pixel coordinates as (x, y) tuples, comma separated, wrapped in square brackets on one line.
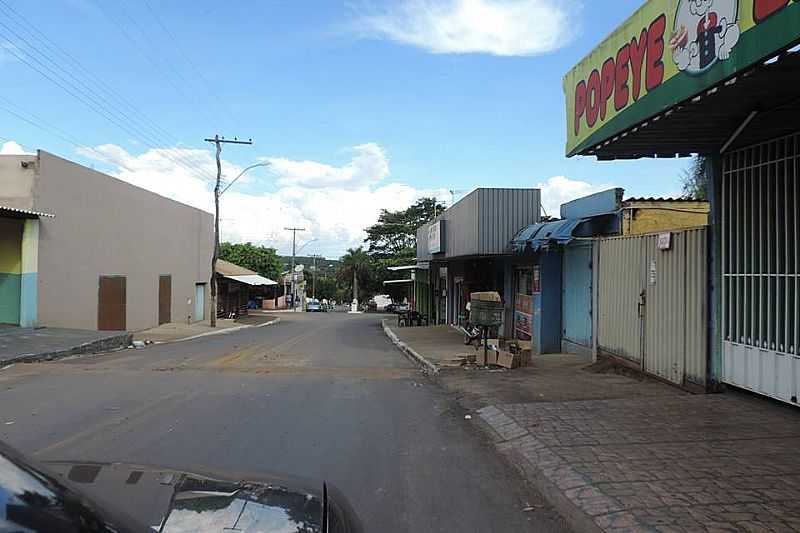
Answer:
[(400, 265)]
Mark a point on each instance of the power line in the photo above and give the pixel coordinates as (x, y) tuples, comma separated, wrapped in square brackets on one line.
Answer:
[(81, 94), (85, 89), (56, 49), (191, 63), (107, 13)]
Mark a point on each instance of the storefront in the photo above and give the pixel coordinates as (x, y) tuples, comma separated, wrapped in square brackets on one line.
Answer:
[(466, 248), (718, 78)]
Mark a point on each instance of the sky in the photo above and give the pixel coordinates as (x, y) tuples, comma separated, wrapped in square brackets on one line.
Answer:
[(353, 106)]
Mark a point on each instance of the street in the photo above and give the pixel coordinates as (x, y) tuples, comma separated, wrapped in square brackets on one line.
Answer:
[(325, 396)]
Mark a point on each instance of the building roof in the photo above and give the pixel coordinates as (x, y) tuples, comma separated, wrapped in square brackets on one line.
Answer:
[(540, 236), (229, 270), (226, 268), (661, 199), (23, 213)]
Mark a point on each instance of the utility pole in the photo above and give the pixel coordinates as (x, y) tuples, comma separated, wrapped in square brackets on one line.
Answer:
[(314, 281), (218, 141), (294, 251)]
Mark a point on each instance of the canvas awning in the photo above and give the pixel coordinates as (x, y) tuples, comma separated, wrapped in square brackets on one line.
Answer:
[(544, 234), (253, 279)]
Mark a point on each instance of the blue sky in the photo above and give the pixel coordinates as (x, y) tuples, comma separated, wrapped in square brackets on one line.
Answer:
[(358, 105)]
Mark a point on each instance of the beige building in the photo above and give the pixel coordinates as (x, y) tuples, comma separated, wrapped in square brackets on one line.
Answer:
[(81, 249), (652, 215)]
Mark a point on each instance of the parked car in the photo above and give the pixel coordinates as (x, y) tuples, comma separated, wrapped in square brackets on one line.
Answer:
[(313, 306), (115, 497)]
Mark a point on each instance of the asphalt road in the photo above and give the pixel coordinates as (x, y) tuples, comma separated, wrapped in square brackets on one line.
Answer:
[(325, 396)]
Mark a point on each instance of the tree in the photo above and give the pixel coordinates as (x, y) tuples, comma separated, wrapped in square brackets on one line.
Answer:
[(395, 233), (355, 270), (694, 180), (393, 242), (259, 259)]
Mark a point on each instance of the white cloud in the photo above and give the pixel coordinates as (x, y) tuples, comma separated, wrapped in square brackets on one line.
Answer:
[(12, 148), (333, 203), (497, 27), (560, 189)]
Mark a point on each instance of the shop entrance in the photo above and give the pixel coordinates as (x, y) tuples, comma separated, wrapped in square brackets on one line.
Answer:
[(760, 268)]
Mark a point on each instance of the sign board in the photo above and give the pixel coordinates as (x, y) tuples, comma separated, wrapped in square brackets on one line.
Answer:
[(664, 241), (435, 234), (652, 272), (669, 51)]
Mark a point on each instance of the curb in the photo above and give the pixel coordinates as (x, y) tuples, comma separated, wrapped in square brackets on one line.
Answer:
[(107, 344), (220, 332), (409, 351)]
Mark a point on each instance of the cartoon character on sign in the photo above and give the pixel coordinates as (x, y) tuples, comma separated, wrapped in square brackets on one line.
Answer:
[(705, 31)]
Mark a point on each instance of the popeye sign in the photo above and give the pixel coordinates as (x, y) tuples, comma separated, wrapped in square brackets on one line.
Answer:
[(667, 52), (705, 31)]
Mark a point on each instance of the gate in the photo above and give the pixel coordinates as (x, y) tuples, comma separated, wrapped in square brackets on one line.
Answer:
[(652, 303), (761, 268)]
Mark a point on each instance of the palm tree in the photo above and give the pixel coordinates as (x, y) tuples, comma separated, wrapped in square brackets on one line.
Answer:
[(354, 264)]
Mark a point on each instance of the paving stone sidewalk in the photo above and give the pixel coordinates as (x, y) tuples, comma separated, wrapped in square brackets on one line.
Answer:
[(674, 463)]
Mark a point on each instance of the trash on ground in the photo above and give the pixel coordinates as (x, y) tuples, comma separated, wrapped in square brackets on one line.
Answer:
[(138, 344), (10, 422), (467, 417)]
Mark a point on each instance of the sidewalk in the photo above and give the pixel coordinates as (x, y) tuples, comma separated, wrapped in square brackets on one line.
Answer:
[(175, 331), (28, 344), (613, 453)]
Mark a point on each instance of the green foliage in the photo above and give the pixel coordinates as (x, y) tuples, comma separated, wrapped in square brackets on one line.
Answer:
[(356, 267), (395, 233), (259, 259), (694, 180)]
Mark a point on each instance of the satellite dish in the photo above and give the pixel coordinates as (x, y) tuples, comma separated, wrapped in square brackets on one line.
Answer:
[(299, 268)]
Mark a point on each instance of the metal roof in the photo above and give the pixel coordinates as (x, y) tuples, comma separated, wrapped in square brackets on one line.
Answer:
[(254, 280), (397, 281), (540, 236), (660, 199), (24, 213)]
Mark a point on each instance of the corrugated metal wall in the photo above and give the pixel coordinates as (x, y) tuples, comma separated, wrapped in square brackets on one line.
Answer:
[(620, 282), (483, 222), (577, 294), (672, 316)]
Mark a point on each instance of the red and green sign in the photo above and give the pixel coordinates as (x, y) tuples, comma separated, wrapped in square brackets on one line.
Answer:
[(667, 52)]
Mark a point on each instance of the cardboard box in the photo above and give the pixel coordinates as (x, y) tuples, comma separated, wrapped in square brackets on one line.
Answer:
[(480, 359), (507, 359), (525, 357), (491, 357)]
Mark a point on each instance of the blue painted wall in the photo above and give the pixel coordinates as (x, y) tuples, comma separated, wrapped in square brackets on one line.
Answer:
[(577, 304)]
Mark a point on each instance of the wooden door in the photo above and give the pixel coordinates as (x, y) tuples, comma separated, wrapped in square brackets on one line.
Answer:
[(164, 299), (111, 303)]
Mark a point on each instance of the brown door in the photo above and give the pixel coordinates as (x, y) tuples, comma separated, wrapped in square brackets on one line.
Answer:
[(164, 299), (111, 303)]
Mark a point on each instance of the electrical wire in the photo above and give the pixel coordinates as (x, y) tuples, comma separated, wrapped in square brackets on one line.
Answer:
[(96, 102)]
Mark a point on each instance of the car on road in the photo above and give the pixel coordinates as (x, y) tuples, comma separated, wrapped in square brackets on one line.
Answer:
[(313, 306), (114, 497)]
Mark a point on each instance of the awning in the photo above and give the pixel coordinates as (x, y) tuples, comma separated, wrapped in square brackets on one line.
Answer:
[(254, 280), (418, 266), (544, 234), (397, 281), (22, 213)]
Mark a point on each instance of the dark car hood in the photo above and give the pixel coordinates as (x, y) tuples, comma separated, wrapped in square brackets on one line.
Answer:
[(163, 499)]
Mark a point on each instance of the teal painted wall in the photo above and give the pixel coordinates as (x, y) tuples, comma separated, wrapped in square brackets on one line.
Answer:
[(28, 299), (10, 288)]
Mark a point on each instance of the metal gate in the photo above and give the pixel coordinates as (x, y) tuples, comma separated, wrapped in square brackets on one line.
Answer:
[(760, 292), (652, 303), (577, 294)]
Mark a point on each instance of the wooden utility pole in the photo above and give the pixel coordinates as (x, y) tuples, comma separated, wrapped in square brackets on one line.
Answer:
[(294, 251), (218, 141)]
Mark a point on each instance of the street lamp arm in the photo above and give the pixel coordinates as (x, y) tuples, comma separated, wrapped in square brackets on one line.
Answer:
[(242, 173)]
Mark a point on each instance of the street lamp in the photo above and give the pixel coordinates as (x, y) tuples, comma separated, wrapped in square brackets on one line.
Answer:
[(217, 194)]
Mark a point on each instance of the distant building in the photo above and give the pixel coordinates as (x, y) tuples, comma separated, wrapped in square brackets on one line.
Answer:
[(240, 289), (81, 249)]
